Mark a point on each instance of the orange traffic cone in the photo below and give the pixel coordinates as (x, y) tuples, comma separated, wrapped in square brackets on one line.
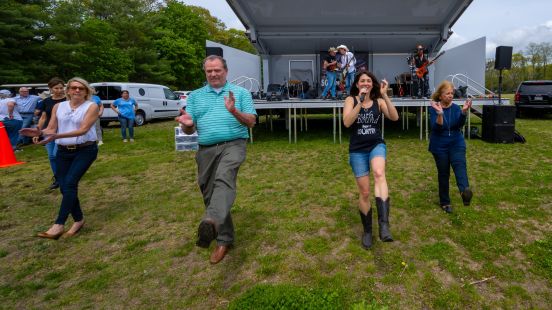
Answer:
[(7, 157)]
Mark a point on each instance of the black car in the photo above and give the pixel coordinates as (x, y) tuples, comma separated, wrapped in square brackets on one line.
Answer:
[(534, 95)]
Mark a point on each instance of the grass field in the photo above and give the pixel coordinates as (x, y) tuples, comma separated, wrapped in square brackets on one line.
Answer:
[(297, 228)]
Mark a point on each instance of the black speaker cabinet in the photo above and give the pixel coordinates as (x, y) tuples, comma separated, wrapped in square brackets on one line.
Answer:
[(214, 51), (503, 57), (499, 123)]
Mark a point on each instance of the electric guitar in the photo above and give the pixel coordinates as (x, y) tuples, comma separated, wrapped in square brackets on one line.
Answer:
[(421, 71), (344, 73), (401, 89)]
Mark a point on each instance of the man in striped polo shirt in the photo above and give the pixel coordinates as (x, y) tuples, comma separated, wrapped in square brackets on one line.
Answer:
[(222, 113)]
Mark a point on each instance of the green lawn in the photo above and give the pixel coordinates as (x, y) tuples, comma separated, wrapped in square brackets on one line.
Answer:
[(297, 224)]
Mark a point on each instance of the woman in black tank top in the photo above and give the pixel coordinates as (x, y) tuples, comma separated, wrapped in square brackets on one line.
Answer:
[(363, 112)]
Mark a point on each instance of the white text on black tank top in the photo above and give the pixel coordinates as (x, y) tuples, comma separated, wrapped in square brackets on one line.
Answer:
[(367, 123)]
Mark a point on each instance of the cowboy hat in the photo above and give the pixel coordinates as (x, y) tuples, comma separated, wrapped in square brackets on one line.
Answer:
[(343, 47)]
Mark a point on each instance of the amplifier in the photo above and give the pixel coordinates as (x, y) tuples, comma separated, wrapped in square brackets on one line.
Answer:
[(499, 123)]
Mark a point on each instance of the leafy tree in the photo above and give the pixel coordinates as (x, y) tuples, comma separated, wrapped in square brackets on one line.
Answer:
[(181, 43), (217, 32), (20, 22)]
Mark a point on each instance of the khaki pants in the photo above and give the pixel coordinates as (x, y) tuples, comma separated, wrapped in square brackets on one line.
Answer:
[(218, 167)]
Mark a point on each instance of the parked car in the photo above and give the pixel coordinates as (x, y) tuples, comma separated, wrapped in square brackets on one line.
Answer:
[(534, 95), (39, 89), (154, 101), (183, 95)]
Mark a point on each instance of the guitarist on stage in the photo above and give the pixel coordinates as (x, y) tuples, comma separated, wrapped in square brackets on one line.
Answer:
[(421, 62), (330, 65), (347, 63)]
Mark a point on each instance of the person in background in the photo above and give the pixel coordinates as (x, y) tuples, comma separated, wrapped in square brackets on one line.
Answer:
[(222, 113), (447, 144), (420, 60), (347, 63), (363, 112), (330, 65), (26, 105), (98, 126), (125, 107), (71, 126), (10, 117), (57, 91)]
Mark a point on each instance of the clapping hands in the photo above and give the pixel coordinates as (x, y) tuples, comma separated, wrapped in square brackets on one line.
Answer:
[(437, 106), (467, 105), (185, 119)]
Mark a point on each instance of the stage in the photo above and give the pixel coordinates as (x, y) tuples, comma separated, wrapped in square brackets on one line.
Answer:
[(291, 106)]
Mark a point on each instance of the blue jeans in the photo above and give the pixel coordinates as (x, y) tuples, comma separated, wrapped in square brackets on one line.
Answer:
[(12, 129), (71, 166), (422, 86), (330, 84), (455, 157), (349, 80), (51, 149), (127, 123), (27, 122)]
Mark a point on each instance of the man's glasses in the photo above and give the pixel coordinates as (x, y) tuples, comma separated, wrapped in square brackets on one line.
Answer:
[(77, 87)]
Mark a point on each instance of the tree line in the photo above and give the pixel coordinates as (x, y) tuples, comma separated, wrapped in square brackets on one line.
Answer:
[(533, 63), (151, 41)]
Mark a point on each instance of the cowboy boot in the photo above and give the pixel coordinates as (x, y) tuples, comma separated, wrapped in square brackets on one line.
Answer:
[(383, 219), (367, 224)]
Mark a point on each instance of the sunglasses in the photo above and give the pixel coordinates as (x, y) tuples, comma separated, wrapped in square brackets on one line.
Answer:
[(77, 87)]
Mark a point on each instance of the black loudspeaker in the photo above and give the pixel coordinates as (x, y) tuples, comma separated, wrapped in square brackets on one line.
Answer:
[(503, 57), (213, 51), (499, 123)]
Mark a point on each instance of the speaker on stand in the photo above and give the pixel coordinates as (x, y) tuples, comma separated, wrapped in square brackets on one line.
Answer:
[(218, 51), (503, 60)]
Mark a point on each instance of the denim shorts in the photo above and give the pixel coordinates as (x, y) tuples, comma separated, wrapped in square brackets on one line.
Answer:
[(360, 161)]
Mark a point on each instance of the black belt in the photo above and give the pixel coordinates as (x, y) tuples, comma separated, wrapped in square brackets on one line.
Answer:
[(76, 146), (221, 143)]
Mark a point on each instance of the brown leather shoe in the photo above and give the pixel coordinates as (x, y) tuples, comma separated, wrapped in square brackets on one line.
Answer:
[(219, 253), (70, 234), (48, 236)]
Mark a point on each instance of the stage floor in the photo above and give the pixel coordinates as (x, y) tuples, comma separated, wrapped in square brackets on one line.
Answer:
[(291, 106)]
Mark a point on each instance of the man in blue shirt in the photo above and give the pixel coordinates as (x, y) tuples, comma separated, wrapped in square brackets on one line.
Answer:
[(26, 105), (222, 113)]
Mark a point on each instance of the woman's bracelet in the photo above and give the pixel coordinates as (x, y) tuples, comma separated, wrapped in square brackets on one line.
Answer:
[(439, 112)]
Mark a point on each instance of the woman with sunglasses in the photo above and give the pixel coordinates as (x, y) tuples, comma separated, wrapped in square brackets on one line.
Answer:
[(72, 128)]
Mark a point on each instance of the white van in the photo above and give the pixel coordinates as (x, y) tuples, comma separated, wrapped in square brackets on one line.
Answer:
[(154, 101)]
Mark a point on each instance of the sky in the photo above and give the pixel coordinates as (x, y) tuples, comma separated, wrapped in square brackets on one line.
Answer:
[(504, 22)]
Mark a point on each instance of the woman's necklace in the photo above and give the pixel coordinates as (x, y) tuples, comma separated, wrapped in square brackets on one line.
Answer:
[(448, 109), (74, 106)]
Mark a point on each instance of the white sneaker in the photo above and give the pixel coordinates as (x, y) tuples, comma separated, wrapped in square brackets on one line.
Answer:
[(125, 140), (100, 142), (131, 140)]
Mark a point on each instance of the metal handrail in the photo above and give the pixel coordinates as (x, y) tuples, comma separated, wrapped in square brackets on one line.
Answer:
[(243, 80), (471, 88)]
